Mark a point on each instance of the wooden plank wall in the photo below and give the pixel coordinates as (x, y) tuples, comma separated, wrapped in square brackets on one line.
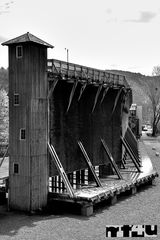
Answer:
[(19, 190), (27, 76), (38, 128), (79, 123)]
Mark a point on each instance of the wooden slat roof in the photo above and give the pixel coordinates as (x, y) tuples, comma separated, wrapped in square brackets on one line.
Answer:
[(27, 37)]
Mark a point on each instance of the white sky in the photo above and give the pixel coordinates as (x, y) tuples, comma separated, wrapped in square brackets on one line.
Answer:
[(105, 34)]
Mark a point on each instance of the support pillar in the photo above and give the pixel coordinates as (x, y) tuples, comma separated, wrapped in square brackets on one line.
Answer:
[(114, 200), (87, 210), (134, 190)]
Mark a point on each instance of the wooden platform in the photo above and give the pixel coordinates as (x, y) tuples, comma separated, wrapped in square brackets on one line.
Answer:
[(88, 196)]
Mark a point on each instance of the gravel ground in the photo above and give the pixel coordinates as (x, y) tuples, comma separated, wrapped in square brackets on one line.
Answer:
[(142, 208)]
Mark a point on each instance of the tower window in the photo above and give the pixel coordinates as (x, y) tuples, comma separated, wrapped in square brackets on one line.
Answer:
[(16, 99), (22, 134), (16, 168), (19, 52)]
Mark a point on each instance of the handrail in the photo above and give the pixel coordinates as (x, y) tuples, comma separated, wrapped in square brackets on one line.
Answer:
[(73, 71)]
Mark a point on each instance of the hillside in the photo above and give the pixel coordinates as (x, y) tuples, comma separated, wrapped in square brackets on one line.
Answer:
[(4, 124), (138, 84), (137, 81)]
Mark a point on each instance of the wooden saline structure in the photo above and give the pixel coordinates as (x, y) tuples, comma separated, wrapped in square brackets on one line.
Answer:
[(68, 131)]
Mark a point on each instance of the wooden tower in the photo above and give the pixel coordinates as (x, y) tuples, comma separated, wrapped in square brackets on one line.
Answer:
[(28, 122)]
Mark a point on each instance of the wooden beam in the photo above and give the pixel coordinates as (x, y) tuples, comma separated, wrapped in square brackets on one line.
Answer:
[(116, 101), (82, 176), (96, 97), (55, 68), (136, 157), (82, 90), (60, 170), (124, 157), (113, 163), (132, 143), (135, 142), (104, 93), (72, 94), (88, 161), (130, 154), (78, 180), (134, 137), (122, 162), (52, 88)]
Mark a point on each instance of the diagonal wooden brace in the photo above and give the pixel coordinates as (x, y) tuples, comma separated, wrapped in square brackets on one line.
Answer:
[(61, 170), (130, 154), (88, 161), (113, 164)]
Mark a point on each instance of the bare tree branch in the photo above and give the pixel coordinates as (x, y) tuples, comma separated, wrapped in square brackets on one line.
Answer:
[(152, 86)]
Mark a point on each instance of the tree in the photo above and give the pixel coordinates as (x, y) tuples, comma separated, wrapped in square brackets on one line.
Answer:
[(156, 70), (3, 116), (153, 92), (4, 78)]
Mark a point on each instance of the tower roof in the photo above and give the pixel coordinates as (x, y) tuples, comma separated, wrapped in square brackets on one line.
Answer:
[(27, 37)]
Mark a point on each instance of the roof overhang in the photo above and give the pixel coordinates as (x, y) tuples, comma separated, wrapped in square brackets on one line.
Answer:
[(25, 38)]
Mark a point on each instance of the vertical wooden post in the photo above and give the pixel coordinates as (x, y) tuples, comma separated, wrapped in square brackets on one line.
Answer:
[(82, 176), (90, 176), (53, 184), (63, 187), (70, 177), (77, 179)]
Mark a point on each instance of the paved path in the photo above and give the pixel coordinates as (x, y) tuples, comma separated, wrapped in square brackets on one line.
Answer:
[(142, 208)]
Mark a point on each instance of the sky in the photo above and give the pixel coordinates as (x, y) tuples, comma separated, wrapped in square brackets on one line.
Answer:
[(104, 34)]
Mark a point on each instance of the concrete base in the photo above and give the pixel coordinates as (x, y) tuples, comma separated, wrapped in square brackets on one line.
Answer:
[(134, 190), (152, 182), (114, 199), (87, 210)]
